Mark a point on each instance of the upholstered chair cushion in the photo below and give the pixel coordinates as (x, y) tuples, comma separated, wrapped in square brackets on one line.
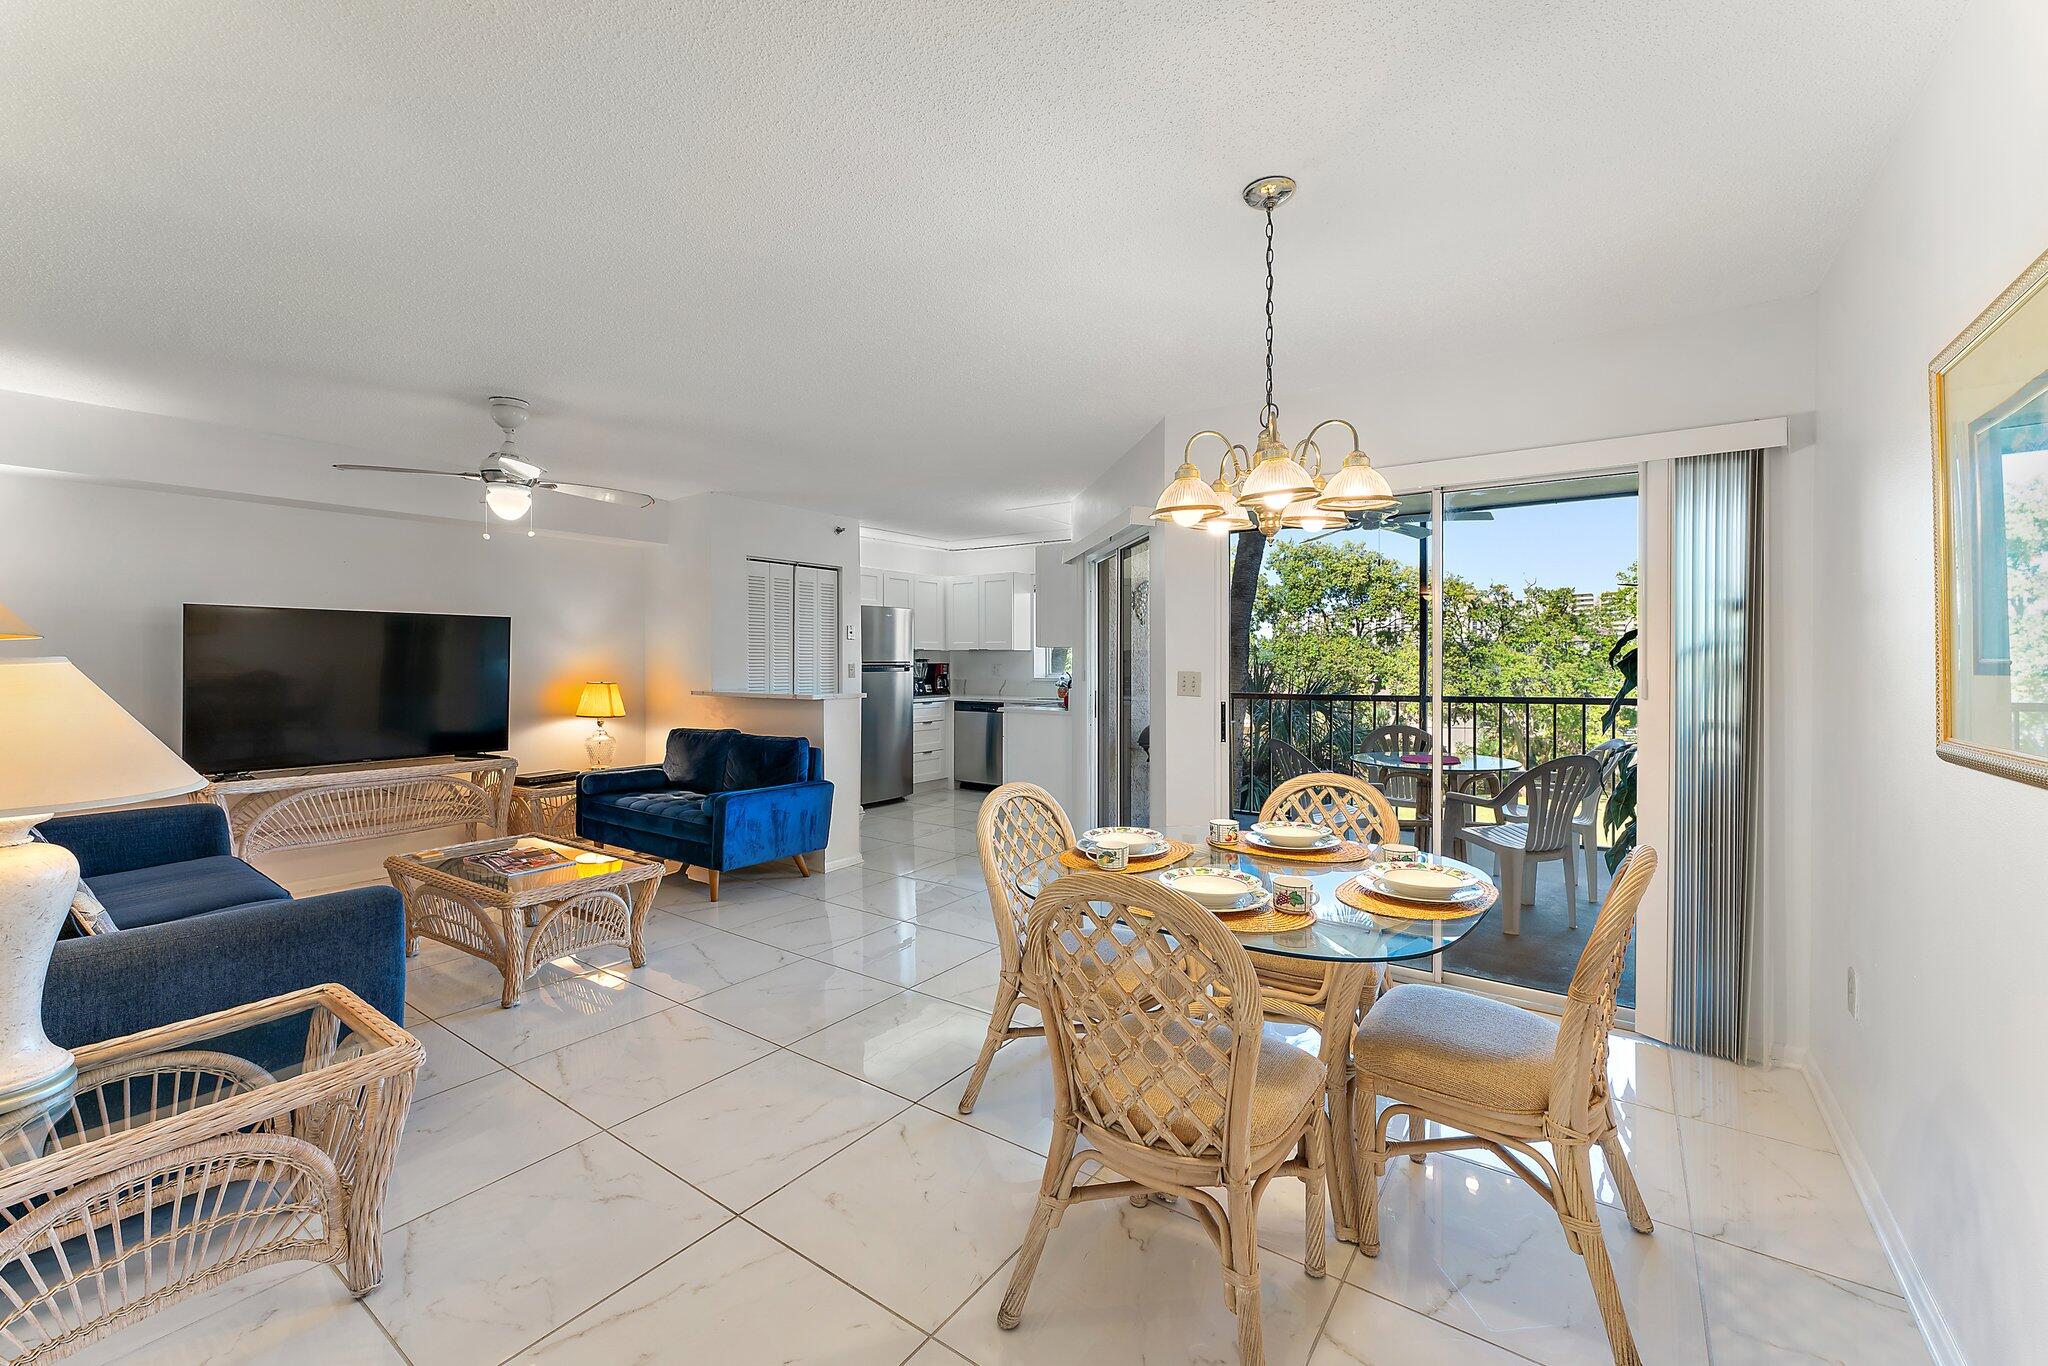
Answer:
[(753, 761), (695, 759), (1454, 1044), (1288, 1079)]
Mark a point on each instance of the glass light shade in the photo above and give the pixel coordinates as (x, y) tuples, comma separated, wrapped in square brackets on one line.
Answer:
[(508, 502), (1305, 515), (1233, 517), (69, 745), (601, 700), (1188, 501), (1357, 487), (1276, 480)]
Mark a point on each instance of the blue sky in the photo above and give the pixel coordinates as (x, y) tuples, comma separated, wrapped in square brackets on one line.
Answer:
[(1580, 545)]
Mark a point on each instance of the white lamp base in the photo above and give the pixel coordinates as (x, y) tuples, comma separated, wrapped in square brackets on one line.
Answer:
[(36, 884), (602, 746)]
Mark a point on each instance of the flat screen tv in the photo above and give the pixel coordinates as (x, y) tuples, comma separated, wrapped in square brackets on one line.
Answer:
[(295, 687)]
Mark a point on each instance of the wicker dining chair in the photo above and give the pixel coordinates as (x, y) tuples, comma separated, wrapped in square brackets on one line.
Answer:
[(1507, 1079), (1302, 989), (1020, 834), (1165, 1074), (1548, 796)]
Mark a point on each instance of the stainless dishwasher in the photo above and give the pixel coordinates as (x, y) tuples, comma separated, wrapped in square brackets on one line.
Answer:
[(978, 743)]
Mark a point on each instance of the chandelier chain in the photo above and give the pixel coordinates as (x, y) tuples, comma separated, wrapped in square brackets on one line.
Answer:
[(1269, 317)]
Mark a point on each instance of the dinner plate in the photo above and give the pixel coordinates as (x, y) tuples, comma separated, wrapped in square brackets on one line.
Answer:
[(1298, 835), (1218, 888), (1135, 840), (1423, 882)]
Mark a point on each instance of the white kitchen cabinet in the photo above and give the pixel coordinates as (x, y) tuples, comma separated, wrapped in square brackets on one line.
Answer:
[(963, 613), (895, 589), (1038, 748), (928, 612), (870, 588), (931, 740), (994, 595)]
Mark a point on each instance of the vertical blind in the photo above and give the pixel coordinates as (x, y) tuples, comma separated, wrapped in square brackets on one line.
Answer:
[(1717, 633)]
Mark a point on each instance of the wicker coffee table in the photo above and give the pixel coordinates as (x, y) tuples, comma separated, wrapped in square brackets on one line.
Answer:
[(184, 1156), (518, 921)]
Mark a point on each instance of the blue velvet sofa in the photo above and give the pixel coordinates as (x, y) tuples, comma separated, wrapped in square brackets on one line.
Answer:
[(199, 930), (718, 800)]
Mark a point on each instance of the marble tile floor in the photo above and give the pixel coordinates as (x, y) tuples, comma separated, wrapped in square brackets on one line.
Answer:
[(748, 1151)]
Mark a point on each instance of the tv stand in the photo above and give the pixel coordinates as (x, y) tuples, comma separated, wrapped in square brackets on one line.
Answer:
[(306, 807)]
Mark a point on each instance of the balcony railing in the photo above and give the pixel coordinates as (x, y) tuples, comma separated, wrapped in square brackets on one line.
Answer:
[(1331, 727)]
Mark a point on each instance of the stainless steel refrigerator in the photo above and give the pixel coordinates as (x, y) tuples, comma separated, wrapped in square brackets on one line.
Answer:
[(885, 669)]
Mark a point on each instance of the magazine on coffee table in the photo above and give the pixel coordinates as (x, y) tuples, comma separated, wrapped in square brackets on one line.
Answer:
[(513, 861)]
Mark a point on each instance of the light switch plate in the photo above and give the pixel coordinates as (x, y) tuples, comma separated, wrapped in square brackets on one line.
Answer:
[(1188, 684)]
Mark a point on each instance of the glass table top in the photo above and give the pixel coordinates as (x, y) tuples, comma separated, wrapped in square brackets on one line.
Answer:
[(574, 863), (1340, 934), (1476, 763)]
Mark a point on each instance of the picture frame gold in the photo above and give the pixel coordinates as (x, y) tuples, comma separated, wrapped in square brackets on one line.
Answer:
[(1957, 548)]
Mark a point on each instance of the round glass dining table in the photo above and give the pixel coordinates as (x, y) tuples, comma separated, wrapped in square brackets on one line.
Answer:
[(1324, 974)]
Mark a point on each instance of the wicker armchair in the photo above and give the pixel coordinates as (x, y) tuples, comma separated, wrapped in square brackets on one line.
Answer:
[(1508, 1079), (1021, 833), (1165, 1073), (1548, 796)]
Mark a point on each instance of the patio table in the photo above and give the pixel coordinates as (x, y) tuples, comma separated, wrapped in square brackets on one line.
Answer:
[(1322, 973)]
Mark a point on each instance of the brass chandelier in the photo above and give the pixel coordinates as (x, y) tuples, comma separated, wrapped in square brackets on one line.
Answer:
[(1273, 488)]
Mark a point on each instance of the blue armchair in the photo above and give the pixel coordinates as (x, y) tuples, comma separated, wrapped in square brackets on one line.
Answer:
[(719, 800), (199, 930)]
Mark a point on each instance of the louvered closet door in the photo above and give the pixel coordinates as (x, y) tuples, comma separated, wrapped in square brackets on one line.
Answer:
[(770, 612), (806, 633), (828, 629)]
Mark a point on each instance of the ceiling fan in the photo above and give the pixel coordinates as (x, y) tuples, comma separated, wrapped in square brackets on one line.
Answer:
[(510, 481)]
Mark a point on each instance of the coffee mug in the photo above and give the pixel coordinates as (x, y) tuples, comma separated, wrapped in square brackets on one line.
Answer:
[(1112, 858), (1400, 853), (1292, 892), (1223, 831)]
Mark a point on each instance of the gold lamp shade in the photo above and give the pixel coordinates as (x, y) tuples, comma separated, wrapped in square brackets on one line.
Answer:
[(601, 701), (13, 627)]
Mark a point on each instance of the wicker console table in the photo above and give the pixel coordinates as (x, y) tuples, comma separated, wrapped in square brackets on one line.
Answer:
[(301, 808), (173, 1164)]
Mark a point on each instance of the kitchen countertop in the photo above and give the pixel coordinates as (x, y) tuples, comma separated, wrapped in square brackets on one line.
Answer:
[(1021, 703), (777, 696)]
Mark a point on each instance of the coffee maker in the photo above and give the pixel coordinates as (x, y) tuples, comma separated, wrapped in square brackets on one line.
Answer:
[(930, 678)]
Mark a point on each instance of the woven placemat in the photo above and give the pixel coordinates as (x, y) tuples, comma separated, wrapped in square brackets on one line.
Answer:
[(1350, 851), (1268, 921), (1176, 850), (1354, 893)]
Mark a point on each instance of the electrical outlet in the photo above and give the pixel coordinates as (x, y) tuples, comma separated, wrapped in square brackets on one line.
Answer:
[(1854, 996), (1189, 684)]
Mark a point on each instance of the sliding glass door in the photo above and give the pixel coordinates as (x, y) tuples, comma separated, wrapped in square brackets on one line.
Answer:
[(1442, 650), (1120, 590)]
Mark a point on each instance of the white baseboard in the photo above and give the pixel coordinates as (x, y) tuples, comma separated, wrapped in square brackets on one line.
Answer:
[(1934, 1329), (843, 861)]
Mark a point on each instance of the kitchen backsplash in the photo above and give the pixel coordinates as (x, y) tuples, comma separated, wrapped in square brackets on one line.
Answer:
[(993, 673)]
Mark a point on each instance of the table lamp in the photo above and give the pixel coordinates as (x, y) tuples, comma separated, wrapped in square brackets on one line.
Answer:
[(64, 745), (602, 702)]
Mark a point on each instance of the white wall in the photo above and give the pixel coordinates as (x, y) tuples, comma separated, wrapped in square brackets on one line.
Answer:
[(1929, 878), (104, 572)]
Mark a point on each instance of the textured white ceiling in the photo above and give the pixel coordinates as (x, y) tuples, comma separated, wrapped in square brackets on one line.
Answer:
[(917, 261)]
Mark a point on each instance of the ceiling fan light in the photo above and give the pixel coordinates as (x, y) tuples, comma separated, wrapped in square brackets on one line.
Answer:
[(508, 502), (1188, 501), (1357, 487)]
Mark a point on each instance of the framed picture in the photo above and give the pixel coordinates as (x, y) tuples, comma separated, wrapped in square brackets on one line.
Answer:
[(1988, 400)]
